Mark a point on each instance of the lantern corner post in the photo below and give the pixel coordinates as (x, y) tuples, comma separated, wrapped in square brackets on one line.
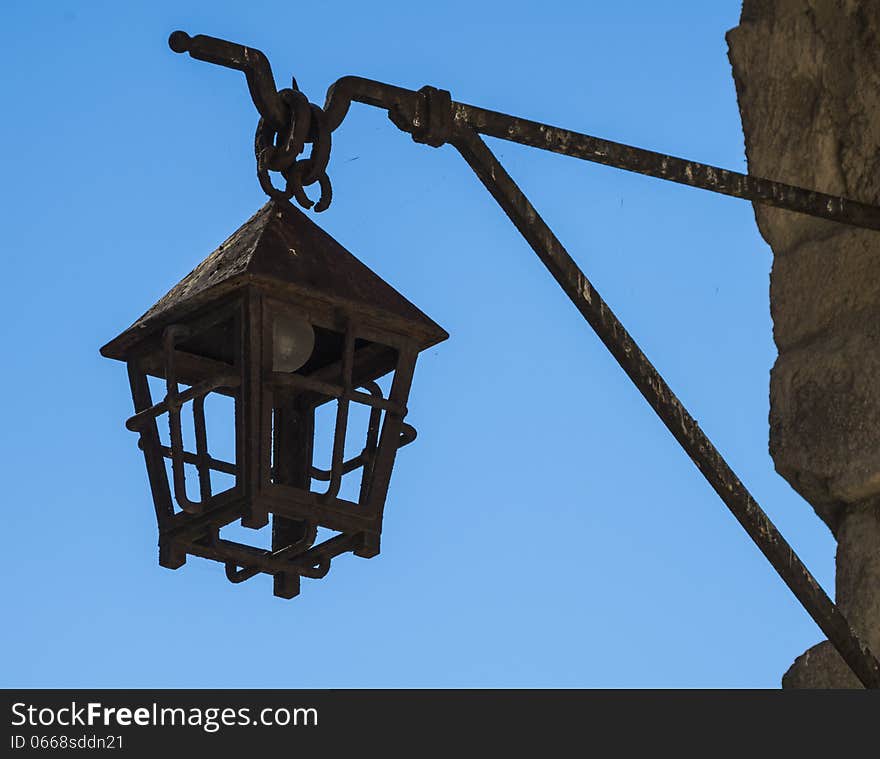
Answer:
[(254, 429)]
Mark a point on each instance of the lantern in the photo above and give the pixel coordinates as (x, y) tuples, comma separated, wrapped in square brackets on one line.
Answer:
[(286, 323)]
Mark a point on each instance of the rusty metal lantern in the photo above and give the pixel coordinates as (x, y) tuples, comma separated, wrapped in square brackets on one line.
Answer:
[(285, 321)]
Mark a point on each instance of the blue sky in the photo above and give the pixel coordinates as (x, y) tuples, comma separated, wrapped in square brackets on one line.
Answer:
[(545, 529)]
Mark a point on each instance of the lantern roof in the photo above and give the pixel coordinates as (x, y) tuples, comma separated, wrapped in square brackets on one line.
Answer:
[(281, 248)]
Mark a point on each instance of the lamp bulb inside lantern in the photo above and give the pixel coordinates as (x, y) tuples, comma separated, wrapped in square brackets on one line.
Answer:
[(293, 340)]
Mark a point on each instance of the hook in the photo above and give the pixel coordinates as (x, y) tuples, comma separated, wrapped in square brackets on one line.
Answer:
[(249, 60)]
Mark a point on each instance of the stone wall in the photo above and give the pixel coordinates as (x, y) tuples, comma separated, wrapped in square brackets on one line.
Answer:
[(807, 75)]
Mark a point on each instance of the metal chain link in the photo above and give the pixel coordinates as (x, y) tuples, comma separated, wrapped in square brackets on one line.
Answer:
[(279, 151)]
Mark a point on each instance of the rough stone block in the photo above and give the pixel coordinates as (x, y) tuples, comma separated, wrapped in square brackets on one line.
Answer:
[(807, 75), (825, 420)]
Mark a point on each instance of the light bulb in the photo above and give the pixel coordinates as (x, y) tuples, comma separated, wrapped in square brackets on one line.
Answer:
[(293, 340)]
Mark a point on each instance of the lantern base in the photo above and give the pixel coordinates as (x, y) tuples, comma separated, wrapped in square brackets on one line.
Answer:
[(200, 536)]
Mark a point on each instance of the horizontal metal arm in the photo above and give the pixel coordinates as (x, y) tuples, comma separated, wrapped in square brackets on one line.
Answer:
[(661, 166), (406, 110), (409, 110)]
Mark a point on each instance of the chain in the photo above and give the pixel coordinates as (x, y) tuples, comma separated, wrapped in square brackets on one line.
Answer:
[(280, 150)]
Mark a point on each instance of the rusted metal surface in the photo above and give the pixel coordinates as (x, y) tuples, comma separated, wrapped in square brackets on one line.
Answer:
[(252, 62), (431, 117), (260, 251), (214, 331), (409, 110), (661, 166)]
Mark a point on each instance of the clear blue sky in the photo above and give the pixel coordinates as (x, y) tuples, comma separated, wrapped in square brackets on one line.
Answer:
[(545, 529)]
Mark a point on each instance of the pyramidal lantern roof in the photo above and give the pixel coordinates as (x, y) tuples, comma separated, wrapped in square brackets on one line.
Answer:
[(281, 247)]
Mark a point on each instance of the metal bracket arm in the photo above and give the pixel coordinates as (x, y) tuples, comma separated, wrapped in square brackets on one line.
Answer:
[(407, 110), (433, 118)]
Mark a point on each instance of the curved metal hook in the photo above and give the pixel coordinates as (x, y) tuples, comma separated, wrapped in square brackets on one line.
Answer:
[(249, 60), (286, 114)]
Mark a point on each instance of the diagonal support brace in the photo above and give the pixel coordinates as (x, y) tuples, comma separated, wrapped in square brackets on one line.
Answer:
[(667, 406)]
